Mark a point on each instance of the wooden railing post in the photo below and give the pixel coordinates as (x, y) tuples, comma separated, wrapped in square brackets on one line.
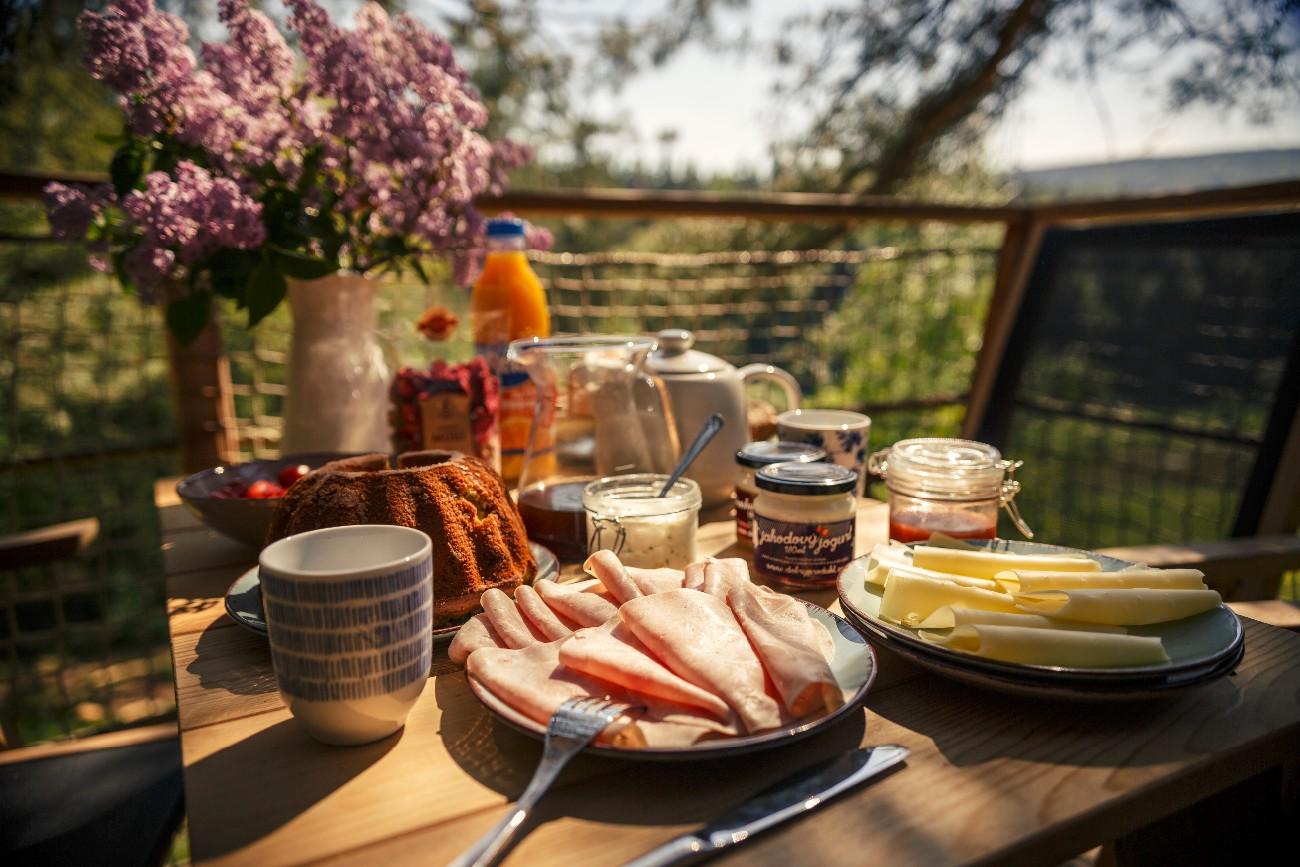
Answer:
[(202, 399), (1020, 247)]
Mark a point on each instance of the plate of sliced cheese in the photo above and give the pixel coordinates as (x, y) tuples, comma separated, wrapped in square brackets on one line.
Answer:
[(1030, 618)]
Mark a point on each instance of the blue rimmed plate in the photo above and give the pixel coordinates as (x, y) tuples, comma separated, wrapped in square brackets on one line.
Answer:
[(1200, 648), (244, 599), (853, 665)]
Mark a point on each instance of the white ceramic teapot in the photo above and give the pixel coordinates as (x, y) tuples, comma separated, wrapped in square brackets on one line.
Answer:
[(699, 385)]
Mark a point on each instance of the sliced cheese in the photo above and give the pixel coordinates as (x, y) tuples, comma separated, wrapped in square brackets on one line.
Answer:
[(877, 574), (963, 580), (1026, 581), (1053, 646), (910, 599), (1126, 607), (950, 616), (987, 564)]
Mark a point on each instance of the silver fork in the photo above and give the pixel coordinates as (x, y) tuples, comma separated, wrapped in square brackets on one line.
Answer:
[(573, 725)]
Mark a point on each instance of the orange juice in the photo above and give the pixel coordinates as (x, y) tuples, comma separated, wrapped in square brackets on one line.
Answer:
[(508, 304)]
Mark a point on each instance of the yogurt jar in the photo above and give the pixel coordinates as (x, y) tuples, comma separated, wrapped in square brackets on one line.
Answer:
[(805, 517), (753, 458), (626, 515)]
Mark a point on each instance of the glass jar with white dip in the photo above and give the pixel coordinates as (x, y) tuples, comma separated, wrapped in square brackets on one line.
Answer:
[(753, 458), (626, 515), (805, 519)]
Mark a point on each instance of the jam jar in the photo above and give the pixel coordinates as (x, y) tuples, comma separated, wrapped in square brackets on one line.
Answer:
[(805, 518), (949, 486), (754, 457)]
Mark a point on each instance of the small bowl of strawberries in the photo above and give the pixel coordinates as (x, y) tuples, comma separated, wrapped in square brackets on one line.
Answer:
[(239, 500)]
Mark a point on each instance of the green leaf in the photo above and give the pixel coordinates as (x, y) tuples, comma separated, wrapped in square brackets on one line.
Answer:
[(266, 288), (300, 265), (229, 270), (418, 268), (127, 168), (310, 167), (118, 258), (187, 315)]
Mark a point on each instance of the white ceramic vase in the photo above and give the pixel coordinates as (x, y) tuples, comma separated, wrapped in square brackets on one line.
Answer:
[(338, 379)]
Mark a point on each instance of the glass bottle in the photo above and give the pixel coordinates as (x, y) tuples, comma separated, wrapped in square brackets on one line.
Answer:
[(509, 303)]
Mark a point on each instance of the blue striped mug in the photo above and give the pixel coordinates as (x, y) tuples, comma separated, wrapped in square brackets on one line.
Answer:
[(349, 613)]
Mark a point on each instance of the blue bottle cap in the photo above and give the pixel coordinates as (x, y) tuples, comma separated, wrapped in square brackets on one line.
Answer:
[(512, 228)]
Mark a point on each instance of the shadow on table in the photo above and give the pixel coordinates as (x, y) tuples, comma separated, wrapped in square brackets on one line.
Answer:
[(1101, 734), (302, 772), (623, 791), (224, 659)]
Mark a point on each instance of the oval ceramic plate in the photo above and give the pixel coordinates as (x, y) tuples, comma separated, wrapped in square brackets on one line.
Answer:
[(853, 665), (244, 601), (1200, 648)]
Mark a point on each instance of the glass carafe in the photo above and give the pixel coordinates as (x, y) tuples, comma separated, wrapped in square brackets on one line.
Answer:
[(599, 413)]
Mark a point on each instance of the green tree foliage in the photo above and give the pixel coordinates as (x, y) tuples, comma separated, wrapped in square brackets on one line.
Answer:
[(899, 90)]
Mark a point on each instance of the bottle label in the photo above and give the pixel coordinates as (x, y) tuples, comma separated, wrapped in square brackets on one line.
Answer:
[(800, 552), (744, 515)]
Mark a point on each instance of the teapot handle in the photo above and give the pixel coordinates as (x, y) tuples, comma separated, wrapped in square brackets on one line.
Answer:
[(787, 383)]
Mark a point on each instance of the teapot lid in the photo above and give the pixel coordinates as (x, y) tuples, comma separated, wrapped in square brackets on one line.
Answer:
[(675, 355)]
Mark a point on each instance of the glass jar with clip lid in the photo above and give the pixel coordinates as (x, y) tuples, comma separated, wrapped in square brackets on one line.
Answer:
[(949, 486)]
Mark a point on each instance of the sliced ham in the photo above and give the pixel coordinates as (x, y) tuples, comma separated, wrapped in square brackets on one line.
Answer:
[(721, 576), (576, 606), (538, 614), (532, 681), (477, 632), (697, 637), (611, 652), (506, 620), (611, 572), (650, 581), (793, 647), (693, 578)]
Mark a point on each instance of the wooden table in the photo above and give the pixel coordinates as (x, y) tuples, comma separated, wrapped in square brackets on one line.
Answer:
[(991, 778)]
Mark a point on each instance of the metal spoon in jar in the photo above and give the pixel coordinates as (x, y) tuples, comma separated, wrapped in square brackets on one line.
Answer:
[(712, 425)]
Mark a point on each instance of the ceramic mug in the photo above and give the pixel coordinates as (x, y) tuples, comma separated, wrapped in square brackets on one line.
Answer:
[(349, 614), (841, 433)]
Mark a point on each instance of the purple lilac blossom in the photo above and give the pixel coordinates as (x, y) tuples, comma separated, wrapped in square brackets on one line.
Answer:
[(397, 124), (71, 210), (185, 219)]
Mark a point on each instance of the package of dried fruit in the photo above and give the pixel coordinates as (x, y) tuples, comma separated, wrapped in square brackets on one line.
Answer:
[(448, 406)]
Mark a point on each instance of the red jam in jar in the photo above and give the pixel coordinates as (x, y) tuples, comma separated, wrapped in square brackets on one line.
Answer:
[(948, 486)]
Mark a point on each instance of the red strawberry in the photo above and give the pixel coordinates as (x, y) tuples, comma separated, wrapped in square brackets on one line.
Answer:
[(264, 490), (291, 474)]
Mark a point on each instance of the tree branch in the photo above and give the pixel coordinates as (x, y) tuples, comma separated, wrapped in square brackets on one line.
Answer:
[(940, 110)]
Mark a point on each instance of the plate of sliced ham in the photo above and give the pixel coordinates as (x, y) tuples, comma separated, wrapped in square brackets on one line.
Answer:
[(712, 663)]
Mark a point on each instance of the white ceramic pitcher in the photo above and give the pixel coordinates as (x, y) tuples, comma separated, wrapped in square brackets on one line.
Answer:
[(699, 385)]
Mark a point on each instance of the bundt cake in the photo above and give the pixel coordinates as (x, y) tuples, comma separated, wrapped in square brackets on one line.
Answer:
[(478, 537)]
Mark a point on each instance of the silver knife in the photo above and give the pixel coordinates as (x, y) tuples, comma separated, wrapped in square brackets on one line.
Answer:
[(797, 794)]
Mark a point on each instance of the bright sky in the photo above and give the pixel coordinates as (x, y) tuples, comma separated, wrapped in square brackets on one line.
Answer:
[(722, 111)]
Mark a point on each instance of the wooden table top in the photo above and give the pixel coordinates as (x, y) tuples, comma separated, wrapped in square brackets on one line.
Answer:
[(990, 777)]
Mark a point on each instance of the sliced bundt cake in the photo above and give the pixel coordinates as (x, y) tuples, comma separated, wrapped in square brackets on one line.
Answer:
[(478, 537)]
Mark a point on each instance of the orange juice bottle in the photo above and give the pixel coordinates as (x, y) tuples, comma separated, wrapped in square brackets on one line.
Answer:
[(508, 304)]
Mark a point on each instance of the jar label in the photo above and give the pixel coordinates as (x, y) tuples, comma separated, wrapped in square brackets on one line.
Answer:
[(801, 552), (445, 423), (744, 515)]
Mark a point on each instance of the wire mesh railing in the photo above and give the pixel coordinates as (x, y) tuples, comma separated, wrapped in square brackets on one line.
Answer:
[(85, 426)]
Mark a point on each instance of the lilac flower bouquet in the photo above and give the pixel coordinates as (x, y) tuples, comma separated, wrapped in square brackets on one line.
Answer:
[(254, 166)]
